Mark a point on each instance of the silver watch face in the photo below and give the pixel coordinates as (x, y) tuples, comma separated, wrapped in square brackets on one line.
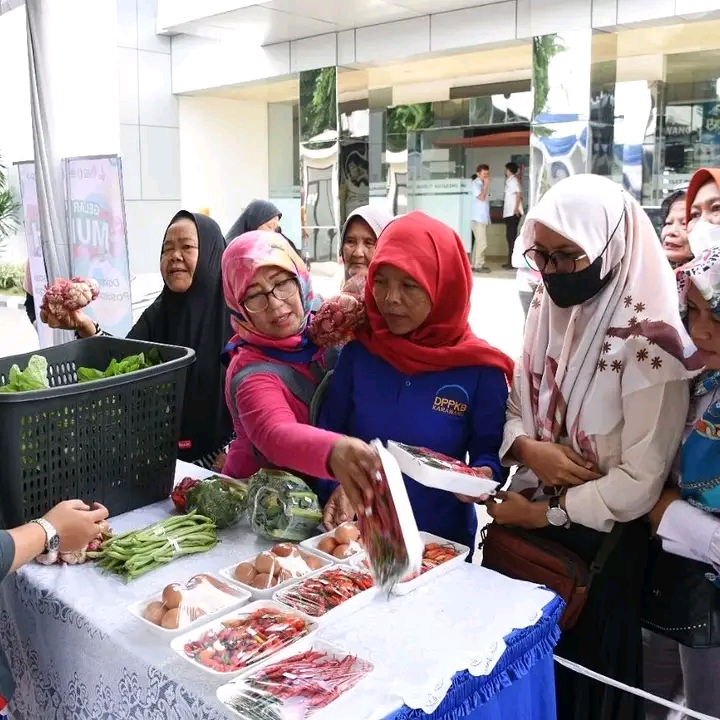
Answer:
[(557, 517)]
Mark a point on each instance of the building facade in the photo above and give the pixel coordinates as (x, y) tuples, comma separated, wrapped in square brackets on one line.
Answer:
[(327, 106)]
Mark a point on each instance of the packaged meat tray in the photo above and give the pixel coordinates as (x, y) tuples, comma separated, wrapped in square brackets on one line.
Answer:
[(336, 592), (242, 639), (439, 471), (389, 533), (302, 685)]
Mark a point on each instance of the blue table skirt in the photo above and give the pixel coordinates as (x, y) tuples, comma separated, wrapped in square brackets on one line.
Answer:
[(522, 684)]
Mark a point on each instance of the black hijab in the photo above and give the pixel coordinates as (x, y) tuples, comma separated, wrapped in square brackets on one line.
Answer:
[(197, 319), (257, 213)]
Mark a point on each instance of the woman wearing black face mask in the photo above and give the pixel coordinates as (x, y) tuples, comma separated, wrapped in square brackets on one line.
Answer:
[(595, 417)]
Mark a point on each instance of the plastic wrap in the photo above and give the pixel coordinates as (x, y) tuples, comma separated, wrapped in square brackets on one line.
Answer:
[(243, 638), (390, 535), (317, 596), (295, 688), (338, 545), (282, 506), (274, 567), (221, 499), (436, 470), (180, 605)]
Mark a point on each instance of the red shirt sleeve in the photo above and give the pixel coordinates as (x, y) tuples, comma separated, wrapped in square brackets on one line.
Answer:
[(265, 410)]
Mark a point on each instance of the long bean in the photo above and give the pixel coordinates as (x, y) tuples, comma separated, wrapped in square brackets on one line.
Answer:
[(137, 552)]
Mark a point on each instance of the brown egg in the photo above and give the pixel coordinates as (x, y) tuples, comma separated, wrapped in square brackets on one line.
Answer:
[(154, 612), (283, 550), (346, 533), (327, 545), (245, 573), (314, 563), (172, 595), (171, 619), (342, 551), (262, 581), (266, 563)]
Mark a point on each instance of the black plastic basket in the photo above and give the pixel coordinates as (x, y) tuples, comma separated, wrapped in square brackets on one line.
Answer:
[(113, 441)]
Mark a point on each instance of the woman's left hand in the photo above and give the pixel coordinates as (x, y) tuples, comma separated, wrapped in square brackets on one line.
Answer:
[(338, 510), (515, 509)]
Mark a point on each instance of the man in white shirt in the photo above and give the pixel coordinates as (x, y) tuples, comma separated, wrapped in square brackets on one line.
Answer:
[(480, 217), (512, 209)]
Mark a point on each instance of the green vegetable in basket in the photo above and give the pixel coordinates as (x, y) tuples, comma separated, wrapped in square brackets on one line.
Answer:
[(34, 377), (133, 363), (220, 499), (281, 506)]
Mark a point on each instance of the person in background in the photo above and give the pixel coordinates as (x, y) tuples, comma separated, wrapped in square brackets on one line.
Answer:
[(257, 215), (269, 293), (702, 210), (480, 189), (418, 375), (674, 234), (527, 279), (29, 299), (189, 312), (359, 237), (512, 209), (687, 516), (69, 526), (594, 419)]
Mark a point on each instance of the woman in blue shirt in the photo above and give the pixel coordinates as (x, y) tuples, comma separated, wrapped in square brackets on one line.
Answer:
[(417, 374)]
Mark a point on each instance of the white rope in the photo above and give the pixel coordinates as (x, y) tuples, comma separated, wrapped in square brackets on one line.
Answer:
[(640, 693)]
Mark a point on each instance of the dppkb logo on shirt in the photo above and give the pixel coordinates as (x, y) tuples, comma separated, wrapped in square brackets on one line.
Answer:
[(451, 400)]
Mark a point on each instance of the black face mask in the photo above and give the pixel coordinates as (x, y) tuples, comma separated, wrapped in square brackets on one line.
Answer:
[(278, 229), (570, 289)]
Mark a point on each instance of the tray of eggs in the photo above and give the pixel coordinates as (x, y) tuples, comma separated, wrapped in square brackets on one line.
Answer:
[(339, 545), (274, 569), (182, 606)]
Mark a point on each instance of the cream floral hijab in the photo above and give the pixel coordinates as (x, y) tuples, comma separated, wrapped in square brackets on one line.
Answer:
[(580, 364)]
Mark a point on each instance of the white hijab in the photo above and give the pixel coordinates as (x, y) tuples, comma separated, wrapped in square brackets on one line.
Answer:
[(580, 363)]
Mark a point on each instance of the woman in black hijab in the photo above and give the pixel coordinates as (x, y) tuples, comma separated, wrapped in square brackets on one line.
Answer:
[(190, 312), (258, 215)]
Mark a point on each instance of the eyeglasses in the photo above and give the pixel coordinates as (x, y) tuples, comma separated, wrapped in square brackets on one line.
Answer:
[(559, 262), (283, 290)]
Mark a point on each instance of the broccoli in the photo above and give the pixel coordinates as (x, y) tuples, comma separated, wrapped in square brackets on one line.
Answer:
[(219, 499)]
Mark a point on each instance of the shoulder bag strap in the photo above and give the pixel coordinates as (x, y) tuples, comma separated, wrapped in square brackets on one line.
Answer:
[(607, 546)]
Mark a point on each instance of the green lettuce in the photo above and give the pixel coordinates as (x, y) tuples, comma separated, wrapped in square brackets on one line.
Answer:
[(34, 377)]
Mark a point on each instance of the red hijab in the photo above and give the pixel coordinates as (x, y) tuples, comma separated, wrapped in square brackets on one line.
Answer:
[(433, 255), (700, 178)]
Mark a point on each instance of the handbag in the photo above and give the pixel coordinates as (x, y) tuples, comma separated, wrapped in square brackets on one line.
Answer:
[(680, 600), (523, 555)]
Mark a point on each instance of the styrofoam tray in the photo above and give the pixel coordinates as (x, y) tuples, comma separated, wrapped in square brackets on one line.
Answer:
[(313, 542), (441, 478), (403, 588), (225, 692), (227, 574), (343, 610), (138, 608), (178, 643)]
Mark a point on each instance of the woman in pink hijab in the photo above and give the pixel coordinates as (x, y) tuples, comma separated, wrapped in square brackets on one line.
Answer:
[(268, 290)]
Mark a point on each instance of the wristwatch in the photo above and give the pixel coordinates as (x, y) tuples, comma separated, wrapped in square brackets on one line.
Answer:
[(557, 515), (52, 539)]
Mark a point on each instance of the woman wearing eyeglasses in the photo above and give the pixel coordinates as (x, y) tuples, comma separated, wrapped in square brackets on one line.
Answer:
[(268, 290), (595, 417)]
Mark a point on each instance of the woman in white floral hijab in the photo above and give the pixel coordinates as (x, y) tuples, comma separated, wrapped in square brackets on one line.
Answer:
[(595, 417)]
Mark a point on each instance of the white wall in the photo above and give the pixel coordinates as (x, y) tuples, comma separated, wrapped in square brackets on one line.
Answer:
[(223, 155)]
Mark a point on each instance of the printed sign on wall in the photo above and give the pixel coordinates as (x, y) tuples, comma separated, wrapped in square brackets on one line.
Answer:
[(98, 237)]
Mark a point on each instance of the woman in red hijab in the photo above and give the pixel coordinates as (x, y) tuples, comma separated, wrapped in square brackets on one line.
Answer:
[(702, 210), (417, 374)]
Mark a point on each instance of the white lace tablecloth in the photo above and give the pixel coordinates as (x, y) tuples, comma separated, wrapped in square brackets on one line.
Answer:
[(78, 654)]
